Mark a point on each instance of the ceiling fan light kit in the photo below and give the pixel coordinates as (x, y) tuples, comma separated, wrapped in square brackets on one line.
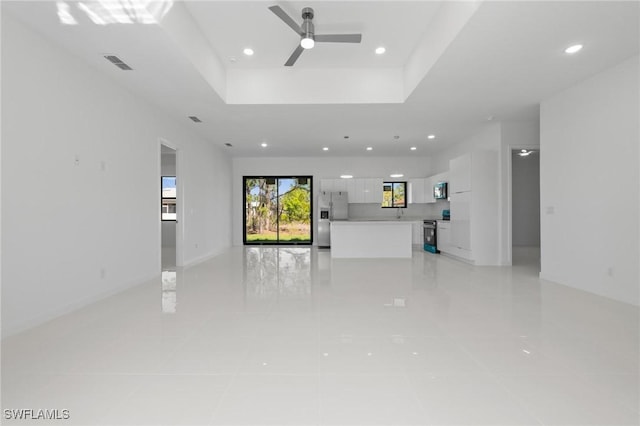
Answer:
[(306, 31)]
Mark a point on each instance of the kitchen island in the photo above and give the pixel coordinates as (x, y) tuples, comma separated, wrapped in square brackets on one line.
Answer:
[(371, 239)]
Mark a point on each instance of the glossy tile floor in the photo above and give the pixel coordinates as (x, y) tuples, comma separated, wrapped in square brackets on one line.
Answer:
[(277, 336)]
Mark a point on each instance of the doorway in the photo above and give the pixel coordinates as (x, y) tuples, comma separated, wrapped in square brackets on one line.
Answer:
[(525, 207), (277, 210), (168, 207)]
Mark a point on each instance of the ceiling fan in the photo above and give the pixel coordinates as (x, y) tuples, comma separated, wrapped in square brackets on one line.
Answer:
[(308, 37)]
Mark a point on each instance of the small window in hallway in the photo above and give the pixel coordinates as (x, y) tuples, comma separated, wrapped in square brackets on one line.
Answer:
[(168, 198)]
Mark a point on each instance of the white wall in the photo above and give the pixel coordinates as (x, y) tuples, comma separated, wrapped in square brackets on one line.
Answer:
[(525, 199), (319, 168), (74, 231), (589, 184), (487, 137)]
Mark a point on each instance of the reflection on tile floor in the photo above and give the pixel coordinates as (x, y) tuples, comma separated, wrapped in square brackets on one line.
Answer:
[(275, 336)]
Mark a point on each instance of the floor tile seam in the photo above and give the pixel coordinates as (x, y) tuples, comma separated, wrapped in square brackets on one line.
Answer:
[(416, 396), (621, 404), (121, 402), (494, 379), (228, 387)]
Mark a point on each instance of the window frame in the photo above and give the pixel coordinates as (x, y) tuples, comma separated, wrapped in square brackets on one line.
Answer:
[(393, 206)]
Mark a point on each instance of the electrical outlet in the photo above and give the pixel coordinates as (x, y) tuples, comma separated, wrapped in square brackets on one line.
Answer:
[(610, 271), (103, 273), (76, 160), (103, 166)]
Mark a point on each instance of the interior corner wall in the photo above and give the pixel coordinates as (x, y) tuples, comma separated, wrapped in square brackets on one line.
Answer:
[(590, 186), (81, 187)]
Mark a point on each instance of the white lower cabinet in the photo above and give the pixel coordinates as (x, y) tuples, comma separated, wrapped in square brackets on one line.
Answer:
[(417, 234), (443, 235)]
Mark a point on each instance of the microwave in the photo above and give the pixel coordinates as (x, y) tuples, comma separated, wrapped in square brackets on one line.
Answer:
[(440, 191)]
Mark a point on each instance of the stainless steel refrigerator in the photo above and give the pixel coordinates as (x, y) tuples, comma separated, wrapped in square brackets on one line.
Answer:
[(331, 206)]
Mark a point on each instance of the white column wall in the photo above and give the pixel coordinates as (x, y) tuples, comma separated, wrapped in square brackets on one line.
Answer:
[(589, 184)]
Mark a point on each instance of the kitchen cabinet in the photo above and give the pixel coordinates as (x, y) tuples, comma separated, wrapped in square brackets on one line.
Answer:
[(417, 232), (417, 190), (340, 185), (333, 185), (352, 191), (460, 170), (373, 190), (474, 207), (443, 233), (360, 190)]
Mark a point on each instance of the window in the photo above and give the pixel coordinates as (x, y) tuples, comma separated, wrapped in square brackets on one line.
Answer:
[(169, 211), (394, 194)]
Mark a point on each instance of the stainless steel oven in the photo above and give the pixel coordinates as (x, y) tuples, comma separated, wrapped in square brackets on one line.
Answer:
[(430, 236)]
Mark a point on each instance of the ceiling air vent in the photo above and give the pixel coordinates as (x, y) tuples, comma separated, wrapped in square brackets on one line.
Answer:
[(195, 119), (118, 62)]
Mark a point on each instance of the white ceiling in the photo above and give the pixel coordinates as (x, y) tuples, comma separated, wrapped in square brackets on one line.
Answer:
[(505, 59)]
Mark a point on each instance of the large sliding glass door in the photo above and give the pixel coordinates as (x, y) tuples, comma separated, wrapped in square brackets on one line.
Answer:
[(277, 209)]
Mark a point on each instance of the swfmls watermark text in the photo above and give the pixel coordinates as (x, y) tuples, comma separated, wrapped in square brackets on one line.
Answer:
[(36, 414)]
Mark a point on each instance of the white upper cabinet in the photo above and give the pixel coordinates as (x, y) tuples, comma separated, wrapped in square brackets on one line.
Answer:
[(359, 190), (373, 190), (428, 189), (340, 185), (417, 189), (460, 174), (326, 185)]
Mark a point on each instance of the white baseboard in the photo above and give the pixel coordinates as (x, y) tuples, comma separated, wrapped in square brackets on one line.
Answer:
[(73, 306)]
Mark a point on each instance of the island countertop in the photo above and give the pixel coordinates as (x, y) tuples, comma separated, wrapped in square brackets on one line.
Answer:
[(371, 238)]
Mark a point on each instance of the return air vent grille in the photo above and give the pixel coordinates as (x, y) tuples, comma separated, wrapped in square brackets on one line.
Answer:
[(195, 119), (118, 62)]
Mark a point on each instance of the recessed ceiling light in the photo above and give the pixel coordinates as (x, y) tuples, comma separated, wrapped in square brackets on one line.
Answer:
[(346, 176), (431, 137), (263, 144), (233, 59), (396, 175), (573, 49), (369, 148), (228, 144), (346, 137), (325, 149), (380, 50), (413, 148), (248, 51)]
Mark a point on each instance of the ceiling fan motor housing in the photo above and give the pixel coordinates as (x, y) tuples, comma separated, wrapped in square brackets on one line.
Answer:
[(307, 26)]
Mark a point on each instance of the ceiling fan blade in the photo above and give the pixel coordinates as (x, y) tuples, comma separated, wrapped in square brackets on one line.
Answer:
[(338, 38), (294, 56), (286, 18)]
